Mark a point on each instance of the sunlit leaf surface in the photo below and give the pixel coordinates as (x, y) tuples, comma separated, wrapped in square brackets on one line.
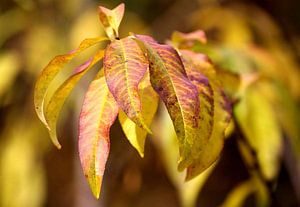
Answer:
[(98, 113), (51, 70), (124, 66), (214, 110), (60, 95), (169, 80), (111, 20), (149, 100)]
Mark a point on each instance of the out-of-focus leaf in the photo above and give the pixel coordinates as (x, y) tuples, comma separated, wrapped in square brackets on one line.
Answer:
[(257, 119), (262, 195), (124, 67), (168, 145), (188, 40), (169, 80), (149, 101), (235, 33), (288, 115), (239, 194), (111, 20), (52, 69), (230, 82), (57, 100), (84, 26), (214, 110), (12, 22), (9, 66), (98, 113), (21, 171)]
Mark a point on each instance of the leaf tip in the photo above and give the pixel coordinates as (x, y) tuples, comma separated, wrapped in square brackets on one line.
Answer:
[(58, 146), (141, 153), (95, 183), (54, 138)]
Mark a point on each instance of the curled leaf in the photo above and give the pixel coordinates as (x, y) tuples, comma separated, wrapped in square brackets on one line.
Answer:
[(111, 20), (169, 80), (52, 69), (98, 113), (149, 100), (124, 67), (57, 100)]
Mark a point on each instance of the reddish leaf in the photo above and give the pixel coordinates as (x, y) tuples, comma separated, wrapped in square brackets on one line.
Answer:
[(188, 40), (98, 113), (214, 110), (125, 66), (169, 80)]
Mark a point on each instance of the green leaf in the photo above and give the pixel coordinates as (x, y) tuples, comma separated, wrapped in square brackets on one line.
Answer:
[(60, 95), (111, 20), (169, 80), (124, 67), (98, 113), (258, 121), (149, 100), (52, 69), (214, 110)]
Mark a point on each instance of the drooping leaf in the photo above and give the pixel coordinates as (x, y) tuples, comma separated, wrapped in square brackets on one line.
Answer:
[(257, 119), (52, 69), (111, 20), (149, 101), (167, 143), (56, 102), (237, 196), (124, 67), (214, 110), (259, 185), (169, 80), (98, 113)]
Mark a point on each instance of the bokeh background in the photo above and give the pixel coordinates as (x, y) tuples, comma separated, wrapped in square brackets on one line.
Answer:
[(34, 173)]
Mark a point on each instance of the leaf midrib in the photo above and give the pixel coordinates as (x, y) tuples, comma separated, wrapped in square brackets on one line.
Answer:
[(169, 77)]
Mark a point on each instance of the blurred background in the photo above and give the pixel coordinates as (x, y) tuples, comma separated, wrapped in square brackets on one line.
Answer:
[(243, 36)]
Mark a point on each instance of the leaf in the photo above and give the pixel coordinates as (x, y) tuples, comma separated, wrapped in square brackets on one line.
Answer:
[(98, 113), (111, 20), (57, 100), (214, 110), (188, 40), (52, 69), (180, 96), (149, 100), (237, 196), (124, 67), (257, 119), (166, 142), (260, 188)]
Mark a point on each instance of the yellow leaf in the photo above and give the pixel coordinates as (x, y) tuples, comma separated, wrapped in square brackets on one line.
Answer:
[(111, 20), (258, 121), (149, 101), (98, 113), (56, 102), (50, 72)]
